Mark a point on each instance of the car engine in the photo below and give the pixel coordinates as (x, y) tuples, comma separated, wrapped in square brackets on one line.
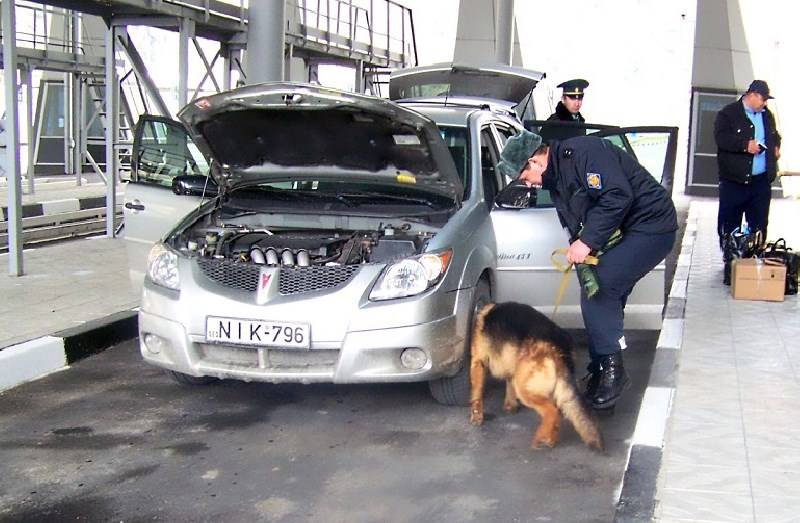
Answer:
[(303, 248)]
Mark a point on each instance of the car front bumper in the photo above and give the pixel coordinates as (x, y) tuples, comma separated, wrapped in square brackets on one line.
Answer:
[(364, 347)]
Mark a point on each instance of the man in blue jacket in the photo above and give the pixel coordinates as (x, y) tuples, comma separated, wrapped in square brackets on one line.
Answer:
[(748, 148), (597, 189)]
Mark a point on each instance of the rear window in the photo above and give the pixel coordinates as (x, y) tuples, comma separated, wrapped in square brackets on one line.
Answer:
[(345, 139)]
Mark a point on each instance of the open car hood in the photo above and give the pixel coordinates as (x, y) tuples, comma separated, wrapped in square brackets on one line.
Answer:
[(289, 131), (495, 82)]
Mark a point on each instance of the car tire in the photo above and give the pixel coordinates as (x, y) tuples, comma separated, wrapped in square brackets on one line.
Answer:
[(186, 379), (455, 389)]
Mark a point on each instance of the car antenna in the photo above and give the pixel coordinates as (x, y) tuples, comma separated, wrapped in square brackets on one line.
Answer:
[(449, 82)]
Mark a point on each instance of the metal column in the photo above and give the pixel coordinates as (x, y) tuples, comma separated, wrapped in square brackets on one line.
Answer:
[(112, 132), (186, 32), (77, 103), (15, 267), (266, 40), (505, 31), (28, 73)]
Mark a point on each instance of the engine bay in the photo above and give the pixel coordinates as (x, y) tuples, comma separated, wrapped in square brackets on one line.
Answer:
[(300, 247)]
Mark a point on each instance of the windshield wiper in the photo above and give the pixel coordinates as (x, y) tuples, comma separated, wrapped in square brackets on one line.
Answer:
[(298, 194), (395, 197)]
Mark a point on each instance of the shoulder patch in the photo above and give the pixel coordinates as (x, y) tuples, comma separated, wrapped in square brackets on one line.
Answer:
[(594, 181)]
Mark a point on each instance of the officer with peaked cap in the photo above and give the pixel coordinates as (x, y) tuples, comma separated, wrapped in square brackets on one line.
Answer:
[(567, 110), (598, 189)]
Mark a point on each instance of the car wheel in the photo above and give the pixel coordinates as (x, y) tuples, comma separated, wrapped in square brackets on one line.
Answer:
[(455, 389), (186, 379)]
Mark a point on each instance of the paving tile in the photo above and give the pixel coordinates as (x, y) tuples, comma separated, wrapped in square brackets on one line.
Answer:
[(771, 482), (712, 414), (683, 505), (773, 458), (707, 444), (708, 478), (770, 509)]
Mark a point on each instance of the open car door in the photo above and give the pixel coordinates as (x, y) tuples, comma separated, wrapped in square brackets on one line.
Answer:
[(527, 231), (162, 150)]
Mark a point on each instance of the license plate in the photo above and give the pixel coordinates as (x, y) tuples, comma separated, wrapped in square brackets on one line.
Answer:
[(258, 333)]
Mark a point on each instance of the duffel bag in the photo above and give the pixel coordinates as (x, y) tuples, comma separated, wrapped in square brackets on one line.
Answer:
[(778, 250)]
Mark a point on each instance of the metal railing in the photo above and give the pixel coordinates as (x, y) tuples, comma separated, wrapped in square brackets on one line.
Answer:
[(348, 25)]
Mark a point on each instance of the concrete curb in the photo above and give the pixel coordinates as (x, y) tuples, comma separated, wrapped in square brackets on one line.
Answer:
[(639, 484), (35, 358), (32, 210)]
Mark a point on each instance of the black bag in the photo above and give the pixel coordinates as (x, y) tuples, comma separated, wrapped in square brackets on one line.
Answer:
[(778, 250), (736, 245)]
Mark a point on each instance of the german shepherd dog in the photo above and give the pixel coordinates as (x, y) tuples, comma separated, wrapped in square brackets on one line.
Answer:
[(521, 345)]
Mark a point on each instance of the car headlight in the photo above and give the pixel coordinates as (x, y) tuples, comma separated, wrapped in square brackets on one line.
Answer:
[(162, 267), (411, 276)]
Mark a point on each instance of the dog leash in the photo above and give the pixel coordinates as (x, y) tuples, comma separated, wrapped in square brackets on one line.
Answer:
[(564, 269)]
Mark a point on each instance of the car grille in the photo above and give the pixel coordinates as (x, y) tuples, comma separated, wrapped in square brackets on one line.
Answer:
[(307, 279), (244, 276)]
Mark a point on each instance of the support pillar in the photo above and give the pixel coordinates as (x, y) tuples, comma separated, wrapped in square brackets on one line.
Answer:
[(28, 72), (186, 32), (112, 131), (505, 31), (15, 265), (266, 40)]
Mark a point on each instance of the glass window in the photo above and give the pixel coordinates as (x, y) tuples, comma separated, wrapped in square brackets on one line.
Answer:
[(457, 142), (166, 151), (489, 160)]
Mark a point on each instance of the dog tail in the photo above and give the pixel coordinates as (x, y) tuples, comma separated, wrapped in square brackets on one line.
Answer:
[(571, 404)]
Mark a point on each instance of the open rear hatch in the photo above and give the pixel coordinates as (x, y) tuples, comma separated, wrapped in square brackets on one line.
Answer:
[(496, 82)]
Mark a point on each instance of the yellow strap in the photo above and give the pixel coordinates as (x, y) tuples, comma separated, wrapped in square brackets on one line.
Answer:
[(564, 269)]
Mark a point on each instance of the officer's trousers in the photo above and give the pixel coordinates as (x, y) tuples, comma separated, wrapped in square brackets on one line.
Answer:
[(618, 271)]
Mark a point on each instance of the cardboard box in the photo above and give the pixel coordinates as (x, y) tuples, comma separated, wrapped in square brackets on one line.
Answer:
[(757, 279)]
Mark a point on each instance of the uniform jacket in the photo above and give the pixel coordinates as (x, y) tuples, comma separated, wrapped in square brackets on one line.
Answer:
[(562, 132), (598, 188), (732, 131)]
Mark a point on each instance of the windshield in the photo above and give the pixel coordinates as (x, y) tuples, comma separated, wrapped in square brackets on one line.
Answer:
[(457, 142)]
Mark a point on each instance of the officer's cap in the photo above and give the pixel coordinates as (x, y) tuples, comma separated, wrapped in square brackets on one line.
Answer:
[(516, 152), (573, 87)]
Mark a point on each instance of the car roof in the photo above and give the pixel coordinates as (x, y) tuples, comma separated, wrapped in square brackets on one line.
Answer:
[(456, 110)]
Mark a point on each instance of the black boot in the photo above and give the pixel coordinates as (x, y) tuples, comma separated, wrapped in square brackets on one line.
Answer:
[(592, 379), (612, 383)]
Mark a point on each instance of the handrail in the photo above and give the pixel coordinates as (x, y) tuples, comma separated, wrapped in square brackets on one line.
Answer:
[(321, 22)]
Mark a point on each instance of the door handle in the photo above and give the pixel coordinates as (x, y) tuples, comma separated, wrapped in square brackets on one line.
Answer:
[(134, 206)]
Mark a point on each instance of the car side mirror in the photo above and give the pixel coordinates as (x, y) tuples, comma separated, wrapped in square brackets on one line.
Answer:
[(194, 185), (516, 195)]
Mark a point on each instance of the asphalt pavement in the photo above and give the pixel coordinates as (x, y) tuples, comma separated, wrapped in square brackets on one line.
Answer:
[(113, 438)]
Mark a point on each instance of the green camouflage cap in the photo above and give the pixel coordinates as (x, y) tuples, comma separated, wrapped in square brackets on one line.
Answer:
[(518, 149)]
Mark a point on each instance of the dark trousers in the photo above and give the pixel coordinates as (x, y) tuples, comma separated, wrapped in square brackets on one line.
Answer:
[(618, 271), (751, 200)]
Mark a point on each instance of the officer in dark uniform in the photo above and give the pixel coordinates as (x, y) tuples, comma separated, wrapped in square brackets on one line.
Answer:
[(567, 110), (598, 189)]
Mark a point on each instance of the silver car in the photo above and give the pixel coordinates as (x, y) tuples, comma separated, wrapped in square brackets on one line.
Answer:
[(305, 234)]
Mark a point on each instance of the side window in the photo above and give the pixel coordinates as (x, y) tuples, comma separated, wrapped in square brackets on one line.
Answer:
[(489, 160), (164, 151), (543, 198)]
